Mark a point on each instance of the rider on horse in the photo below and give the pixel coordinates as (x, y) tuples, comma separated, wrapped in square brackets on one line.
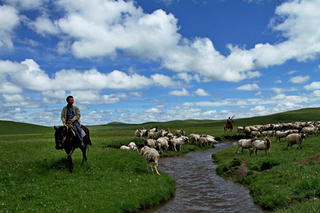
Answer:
[(229, 121), (71, 115)]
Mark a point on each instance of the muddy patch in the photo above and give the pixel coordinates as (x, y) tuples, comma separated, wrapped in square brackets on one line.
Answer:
[(315, 158)]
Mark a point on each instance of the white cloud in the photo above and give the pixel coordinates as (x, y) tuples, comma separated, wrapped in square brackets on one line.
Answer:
[(137, 94), (153, 110), (313, 86), (9, 88), (258, 93), (96, 117), (9, 19), (18, 100), (164, 81), (43, 26), (292, 72), (160, 106), (201, 92), (53, 96), (248, 87), (185, 76), (98, 28), (299, 79), (184, 92), (278, 90), (278, 81), (258, 109), (28, 75), (26, 4)]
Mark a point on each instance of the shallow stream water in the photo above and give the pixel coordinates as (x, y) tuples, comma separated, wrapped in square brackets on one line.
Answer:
[(199, 188)]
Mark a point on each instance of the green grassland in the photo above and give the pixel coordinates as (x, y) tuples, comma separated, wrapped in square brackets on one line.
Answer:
[(34, 175)]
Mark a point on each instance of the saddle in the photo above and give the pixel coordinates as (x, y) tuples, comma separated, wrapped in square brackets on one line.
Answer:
[(74, 130)]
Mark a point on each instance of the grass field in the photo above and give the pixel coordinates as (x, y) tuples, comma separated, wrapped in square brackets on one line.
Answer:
[(34, 175)]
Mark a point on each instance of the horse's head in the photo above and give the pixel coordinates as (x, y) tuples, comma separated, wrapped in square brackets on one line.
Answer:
[(60, 136)]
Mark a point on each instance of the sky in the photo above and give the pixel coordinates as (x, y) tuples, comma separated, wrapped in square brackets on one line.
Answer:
[(157, 60)]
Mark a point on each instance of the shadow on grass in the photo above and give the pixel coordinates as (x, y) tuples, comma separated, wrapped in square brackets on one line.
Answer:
[(62, 164)]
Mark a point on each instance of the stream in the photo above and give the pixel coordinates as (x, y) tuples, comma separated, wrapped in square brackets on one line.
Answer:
[(199, 188)]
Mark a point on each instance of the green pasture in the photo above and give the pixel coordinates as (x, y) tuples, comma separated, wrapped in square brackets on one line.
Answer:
[(277, 183), (34, 175)]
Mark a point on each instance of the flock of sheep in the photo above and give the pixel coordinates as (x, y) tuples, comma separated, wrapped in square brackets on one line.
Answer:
[(294, 133), (155, 141)]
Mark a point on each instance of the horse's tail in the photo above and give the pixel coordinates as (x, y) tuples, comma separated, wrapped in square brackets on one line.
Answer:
[(87, 140)]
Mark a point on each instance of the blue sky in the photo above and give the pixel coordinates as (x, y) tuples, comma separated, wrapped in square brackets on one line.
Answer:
[(140, 61)]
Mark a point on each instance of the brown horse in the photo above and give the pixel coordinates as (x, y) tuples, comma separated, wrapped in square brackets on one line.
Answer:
[(228, 126)]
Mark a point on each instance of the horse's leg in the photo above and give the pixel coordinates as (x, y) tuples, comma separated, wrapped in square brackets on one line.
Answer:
[(70, 152), (84, 156)]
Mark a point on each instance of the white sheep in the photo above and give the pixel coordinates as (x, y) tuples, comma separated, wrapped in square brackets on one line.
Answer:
[(180, 132), (194, 138), (138, 134), (264, 133), (245, 144), (255, 133), (180, 141), (153, 134), (261, 145), (151, 156), (295, 138), (162, 142), (149, 142), (133, 146), (271, 133), (211, 139), (125, 147), (203, 140), (280, 135), (247, 130), (310, 130), (165, 132)]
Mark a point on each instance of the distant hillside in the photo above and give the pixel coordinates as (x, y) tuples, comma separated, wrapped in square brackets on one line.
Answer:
[(10, 127), (308, 114)]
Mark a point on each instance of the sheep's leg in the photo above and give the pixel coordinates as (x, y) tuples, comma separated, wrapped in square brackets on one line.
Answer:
[(151, 167), (237, 150), (256, 152), (155, 167), (175, 149)]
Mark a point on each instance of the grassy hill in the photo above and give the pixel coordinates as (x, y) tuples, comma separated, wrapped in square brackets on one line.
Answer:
[(10, 127), (308, 114)]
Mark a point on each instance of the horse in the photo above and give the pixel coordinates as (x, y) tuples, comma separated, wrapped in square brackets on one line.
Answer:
[(228, 126), (67, 140)]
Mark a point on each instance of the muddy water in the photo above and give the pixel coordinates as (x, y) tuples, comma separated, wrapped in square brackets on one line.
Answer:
[(200, 189)]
